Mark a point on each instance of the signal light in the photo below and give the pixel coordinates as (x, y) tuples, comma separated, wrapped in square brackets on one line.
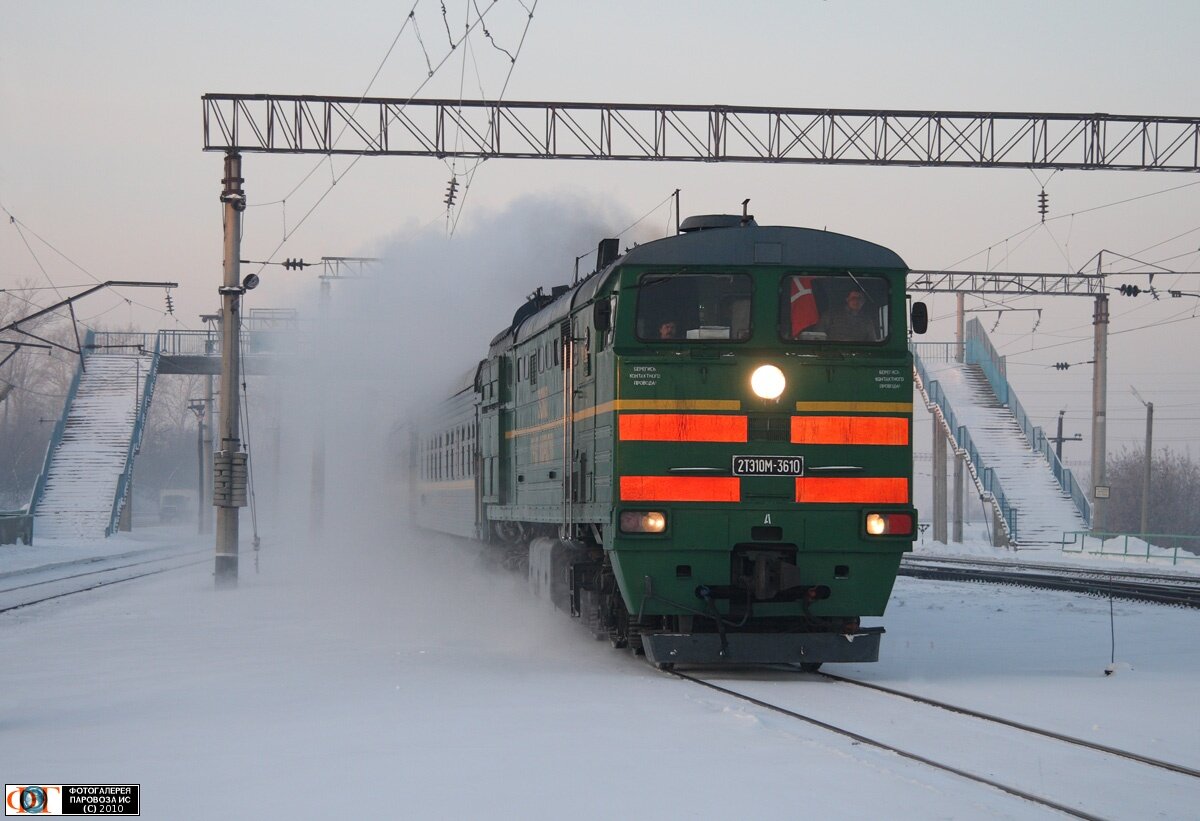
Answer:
[(1129, 290), (889, 524)]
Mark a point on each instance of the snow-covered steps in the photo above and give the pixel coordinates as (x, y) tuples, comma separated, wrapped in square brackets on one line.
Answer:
[(1042, 510), (84, 470)]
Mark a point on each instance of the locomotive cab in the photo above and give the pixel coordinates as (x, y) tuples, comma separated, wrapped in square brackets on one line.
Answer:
[(763, 416)]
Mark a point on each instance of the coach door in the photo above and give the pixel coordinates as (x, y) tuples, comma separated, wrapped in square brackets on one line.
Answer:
[(493, 389)]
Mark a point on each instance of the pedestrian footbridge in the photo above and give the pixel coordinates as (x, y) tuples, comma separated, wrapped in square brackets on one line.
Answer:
[(1011, 461), (84, 487)]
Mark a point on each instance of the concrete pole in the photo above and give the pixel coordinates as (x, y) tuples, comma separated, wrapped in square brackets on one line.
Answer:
[(316, 506), (959, 489), (200, 469), (206, 480), (960, 342), (1146, 474), (234, 197), (939, 481), (1099, 413)]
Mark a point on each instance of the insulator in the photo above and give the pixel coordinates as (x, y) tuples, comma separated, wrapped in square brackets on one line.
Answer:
[(451, 192), (1043, 204), (170, 304)]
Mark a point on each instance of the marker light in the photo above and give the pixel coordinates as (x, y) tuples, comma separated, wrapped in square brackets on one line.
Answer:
[(889, 524), (767, 382), (639, 521)]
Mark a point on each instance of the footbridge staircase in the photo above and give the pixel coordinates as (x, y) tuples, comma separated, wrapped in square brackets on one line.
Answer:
[(85, 481), (1010, 459)]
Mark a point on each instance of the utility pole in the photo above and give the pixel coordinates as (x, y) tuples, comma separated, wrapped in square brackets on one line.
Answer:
[(1059, 439), (1149, 453), (229, 463), (960, 458), (316, 506), (333, 268), (939, 482), (206, 526), (198, 407), (1100, 487)]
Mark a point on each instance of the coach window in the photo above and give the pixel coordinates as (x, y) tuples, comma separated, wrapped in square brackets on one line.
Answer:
[(694, 307), (833, 309)]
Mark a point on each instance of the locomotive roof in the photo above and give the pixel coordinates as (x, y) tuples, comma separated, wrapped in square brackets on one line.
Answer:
[(769, 244), (738, 244)]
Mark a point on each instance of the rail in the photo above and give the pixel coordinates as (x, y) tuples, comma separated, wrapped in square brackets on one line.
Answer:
[(135, 442), (1143, 549), (985, 477), (980, 352), (39, 487)]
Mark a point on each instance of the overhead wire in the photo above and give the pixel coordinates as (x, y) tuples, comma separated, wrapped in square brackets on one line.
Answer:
[(16, 222), (493, 124), (353, 163)]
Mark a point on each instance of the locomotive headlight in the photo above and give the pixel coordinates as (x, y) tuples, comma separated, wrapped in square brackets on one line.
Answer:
[(889, 524), (767, 382), (640, 521)]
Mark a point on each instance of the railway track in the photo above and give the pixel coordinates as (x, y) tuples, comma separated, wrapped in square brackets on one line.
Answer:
[(1177, 589), (1043, 767), (23, 588)]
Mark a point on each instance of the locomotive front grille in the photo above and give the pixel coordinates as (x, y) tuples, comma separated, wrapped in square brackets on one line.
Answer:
[(769, 428)]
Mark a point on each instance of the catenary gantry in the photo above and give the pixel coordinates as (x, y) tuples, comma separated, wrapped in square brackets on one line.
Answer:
[(291, 124)]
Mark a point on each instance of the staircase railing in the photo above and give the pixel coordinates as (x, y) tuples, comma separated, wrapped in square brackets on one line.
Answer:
[(135, 441), (39, 487), (980, 352), (984, 477)]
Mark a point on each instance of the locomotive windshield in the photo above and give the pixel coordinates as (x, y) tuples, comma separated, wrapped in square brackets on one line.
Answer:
[(687, 307), (847, 308)]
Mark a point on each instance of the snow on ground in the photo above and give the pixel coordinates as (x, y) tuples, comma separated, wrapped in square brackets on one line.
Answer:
[(402, 677), (1119, 553)]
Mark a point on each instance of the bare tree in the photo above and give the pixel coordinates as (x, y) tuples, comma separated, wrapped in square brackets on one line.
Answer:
[(1174, 495), (35, 384)]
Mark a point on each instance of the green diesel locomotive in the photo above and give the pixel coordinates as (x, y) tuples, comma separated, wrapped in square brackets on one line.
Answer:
[(703, 450)]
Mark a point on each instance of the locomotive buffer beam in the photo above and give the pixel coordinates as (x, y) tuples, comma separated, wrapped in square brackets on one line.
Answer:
[(763, 648)]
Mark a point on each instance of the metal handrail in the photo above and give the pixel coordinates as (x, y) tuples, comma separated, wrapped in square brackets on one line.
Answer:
[(981, 353), (984, 476), (135, 442), (39, 487), (1081, 538)]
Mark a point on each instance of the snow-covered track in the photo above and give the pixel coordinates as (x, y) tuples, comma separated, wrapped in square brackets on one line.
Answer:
[(1177, 589), (966, 711), (36, 585), (1048, 769)]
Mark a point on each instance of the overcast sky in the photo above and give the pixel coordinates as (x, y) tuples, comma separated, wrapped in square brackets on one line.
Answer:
[(101, 161)]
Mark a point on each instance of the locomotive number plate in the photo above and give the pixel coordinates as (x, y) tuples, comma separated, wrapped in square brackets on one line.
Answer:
[(768, 465)]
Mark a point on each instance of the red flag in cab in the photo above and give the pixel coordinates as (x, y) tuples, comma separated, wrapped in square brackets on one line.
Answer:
[(804, 305)]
